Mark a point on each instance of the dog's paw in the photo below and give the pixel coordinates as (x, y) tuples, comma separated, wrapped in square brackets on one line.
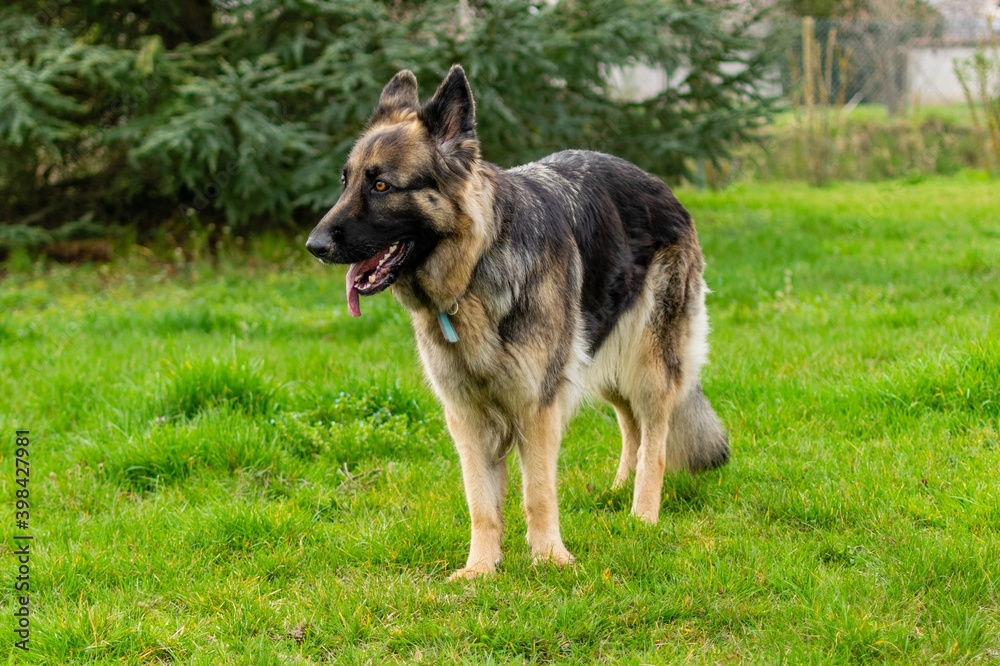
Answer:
[(469, 573), (648, 516), (557, 555), (621, 480)]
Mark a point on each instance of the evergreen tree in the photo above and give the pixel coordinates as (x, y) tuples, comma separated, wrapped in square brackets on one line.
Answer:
[(139, 113)]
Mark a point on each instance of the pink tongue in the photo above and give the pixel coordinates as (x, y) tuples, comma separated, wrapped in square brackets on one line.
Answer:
[(353, 297), (360, 268)]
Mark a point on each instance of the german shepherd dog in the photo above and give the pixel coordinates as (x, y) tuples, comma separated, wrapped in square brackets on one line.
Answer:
[(527, 287)]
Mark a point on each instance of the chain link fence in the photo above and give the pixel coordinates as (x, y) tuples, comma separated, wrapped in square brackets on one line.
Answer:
[(837, 76), (895, 63)]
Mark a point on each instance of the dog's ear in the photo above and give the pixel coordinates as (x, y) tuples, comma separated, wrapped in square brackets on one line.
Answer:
[(399, 94), (450, 117)]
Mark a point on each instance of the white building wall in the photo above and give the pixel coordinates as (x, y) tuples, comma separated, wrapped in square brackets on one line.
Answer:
[(638, 83), (931, 74)]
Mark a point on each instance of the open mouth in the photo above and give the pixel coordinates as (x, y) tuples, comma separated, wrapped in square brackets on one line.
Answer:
[(371, 276)]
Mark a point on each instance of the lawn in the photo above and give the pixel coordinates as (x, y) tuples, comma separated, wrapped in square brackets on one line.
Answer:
[(226, 468), (957, 113)]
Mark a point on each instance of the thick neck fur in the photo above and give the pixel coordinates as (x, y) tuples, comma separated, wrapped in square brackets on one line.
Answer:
[(445, 276)]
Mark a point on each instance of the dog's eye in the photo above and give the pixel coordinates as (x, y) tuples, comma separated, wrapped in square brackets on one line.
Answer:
[(380, 186)]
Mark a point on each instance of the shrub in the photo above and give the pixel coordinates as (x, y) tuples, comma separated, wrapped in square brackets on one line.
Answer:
[(144, 114)]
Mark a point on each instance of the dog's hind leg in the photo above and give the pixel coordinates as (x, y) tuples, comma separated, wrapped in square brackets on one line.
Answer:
[(654, 460), (539, 451), (484, 474), (631, 436), (691, 439)]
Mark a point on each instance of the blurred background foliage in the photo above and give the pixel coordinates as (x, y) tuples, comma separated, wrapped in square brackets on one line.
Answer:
[(155, 116)]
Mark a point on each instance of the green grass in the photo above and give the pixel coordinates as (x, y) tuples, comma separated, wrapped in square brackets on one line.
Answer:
[(958, 114), (229, 469)]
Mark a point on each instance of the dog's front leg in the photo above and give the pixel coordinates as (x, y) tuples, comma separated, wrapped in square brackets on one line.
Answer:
[(484, 473), (539, 451)]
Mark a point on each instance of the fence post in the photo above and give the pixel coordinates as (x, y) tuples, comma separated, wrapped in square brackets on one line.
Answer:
[(808, 66)]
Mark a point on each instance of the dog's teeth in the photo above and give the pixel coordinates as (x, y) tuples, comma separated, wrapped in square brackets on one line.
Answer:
[(371, 279), (392, 248)]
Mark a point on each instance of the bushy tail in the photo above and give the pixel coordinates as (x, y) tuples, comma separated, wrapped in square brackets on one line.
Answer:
[(696, 430)]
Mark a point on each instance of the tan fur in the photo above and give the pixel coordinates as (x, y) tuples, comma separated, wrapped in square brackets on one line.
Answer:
[(446, 275), (403, 154), (498, 393), (631, 435), (502, 410), (632, 373), (539, 450), (484, 473), (502, 413)]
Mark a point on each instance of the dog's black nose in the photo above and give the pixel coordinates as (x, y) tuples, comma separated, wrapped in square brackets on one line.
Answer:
[(317, 246)]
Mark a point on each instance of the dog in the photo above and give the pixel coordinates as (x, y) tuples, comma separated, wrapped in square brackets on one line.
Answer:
[(528, 287)]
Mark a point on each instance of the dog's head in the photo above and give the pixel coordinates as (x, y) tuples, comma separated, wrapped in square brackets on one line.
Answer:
[(401, 182)]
